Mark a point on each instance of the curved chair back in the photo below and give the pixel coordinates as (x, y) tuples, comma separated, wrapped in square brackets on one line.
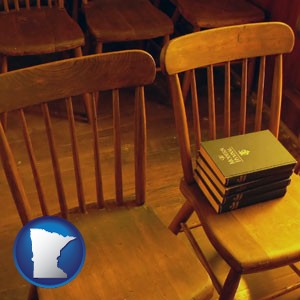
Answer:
[(223, 46), (39, 85)]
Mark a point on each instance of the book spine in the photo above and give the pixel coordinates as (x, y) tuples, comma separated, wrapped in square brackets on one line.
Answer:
[(229, 206), (246, 195), (204, 189), (205, 172), (257, 183), (203, 168), (255, 175), (211, 163)]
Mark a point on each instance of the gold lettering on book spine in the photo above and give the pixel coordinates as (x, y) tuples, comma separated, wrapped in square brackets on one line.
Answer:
[(242, 178), (238, 197), (234, 205)]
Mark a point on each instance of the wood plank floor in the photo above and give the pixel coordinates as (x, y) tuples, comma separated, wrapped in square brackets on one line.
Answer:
[(163, 174)]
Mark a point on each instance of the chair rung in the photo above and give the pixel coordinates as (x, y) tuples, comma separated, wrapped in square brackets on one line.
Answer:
[(283, 291), (295, 269), (192, 227), (200, 255)]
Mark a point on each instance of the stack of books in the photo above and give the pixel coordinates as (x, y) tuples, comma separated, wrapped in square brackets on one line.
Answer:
[(243, 170)]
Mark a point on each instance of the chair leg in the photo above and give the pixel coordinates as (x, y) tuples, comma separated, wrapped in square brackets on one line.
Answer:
[(99, 47), (175, 16), (166, 39), (181, 217), (156, 3), (75, 8), (86, 97), (32, 295), (4, 69), (230, 286)]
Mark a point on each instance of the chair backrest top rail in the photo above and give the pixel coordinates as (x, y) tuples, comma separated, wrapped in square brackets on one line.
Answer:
[(72, 77), (242, 41)]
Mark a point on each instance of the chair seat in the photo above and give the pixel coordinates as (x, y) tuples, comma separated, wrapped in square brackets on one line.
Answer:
[(38, 31), (130, 254), (119, 20), (216, 13), (257, 237)]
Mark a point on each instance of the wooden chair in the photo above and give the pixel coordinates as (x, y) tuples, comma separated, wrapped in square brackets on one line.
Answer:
[(37, 29), (259, 237), (215, 13), (203, 14), (130, 254), (123, 21)]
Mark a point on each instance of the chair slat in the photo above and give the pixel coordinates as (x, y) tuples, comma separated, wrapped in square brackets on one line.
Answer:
[(99, 47), (38, 3), (75, 152), (276, 96), (186, 84), (49, 3), (140, 146), (55, 162), (260, 93), (14, 179), (17, 6), (98, 175), (6, 5), (196, 117), (211, 103), (117, 148), (227, 109), (3, 120), (61, 3), (187, 79), (33, 163), (4, 64), (27, 4), (243, 107)]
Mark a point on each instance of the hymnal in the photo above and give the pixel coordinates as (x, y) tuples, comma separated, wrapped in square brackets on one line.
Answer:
[(243, 158)]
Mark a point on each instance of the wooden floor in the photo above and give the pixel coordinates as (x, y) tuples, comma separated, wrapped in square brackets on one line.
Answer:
[(163, 174)]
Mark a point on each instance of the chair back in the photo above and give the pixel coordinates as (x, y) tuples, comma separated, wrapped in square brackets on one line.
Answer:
[(73, 158), (16, 5), (223, 46)]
